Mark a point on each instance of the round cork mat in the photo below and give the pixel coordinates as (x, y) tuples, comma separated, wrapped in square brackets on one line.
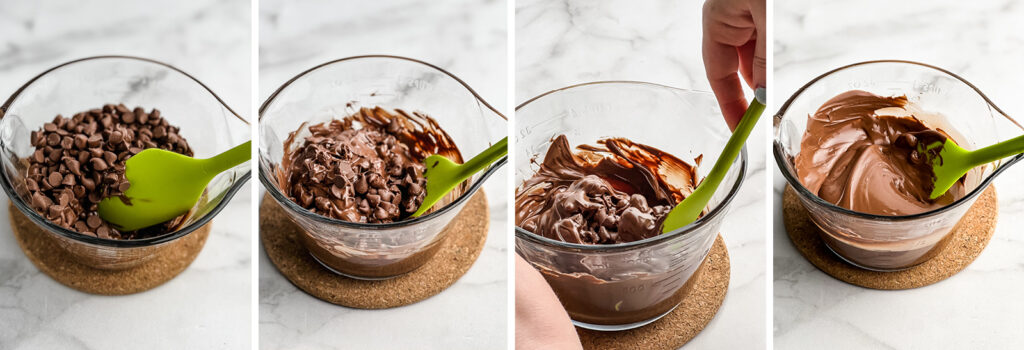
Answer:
[(681, 324), (969, 238), (44, 251), (460, 248)]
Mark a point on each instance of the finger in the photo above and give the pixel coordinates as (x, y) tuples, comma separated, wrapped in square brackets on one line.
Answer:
[(541, 322), (760, 61), (721, 63), (746, 53)]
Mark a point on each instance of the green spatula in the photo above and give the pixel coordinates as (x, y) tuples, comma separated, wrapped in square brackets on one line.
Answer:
[(690, 208), (443, 174), (165, 185), (953, 161)]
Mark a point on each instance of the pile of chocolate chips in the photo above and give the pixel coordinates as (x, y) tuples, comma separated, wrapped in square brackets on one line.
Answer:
[(79, 161), (357, 175)]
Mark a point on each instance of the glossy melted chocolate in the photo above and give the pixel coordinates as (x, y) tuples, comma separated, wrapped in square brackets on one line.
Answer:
[(858, 156)]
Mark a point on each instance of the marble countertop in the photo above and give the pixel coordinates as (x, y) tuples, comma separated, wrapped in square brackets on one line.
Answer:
[(467, 38), (560, 43), (979, 308), (208, 305)]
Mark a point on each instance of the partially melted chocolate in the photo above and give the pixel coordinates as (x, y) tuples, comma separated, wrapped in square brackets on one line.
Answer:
[(364, 168), (617, 192)]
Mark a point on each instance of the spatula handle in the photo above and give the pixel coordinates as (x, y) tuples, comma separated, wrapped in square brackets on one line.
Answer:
[(997, 151), (229, 159), (690, 208), (485, 158)]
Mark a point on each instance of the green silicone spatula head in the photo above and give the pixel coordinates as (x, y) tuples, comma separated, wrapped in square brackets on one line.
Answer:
[(953, 161), (165, 185), (690, 208), (443, 175)]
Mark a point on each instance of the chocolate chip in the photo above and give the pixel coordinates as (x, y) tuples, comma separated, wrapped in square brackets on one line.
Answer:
[(95, 140), (377, 181), (69, 180), (55, 179), (361, 185), (89, 184), (50, 127), (116, 136), (103, 232), (78, 191), (39, 201), (80, 141), (98, 164), (109, 157), (73, 166), (53, 139), (373, 198)]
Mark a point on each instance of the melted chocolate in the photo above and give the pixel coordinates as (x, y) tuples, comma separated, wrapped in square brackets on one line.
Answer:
[(617, 192), (858, 157)]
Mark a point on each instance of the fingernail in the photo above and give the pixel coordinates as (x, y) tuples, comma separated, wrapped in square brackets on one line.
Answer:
[(761, 95)]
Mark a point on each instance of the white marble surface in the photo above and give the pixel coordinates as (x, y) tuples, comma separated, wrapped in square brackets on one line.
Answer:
[(979, 308), (208, 305), (560, 43), (468, 38)]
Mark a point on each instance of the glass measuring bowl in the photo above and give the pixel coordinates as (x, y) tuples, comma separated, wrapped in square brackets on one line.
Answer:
[(209, 125), (623, 286), (337, 89), (949, 102)]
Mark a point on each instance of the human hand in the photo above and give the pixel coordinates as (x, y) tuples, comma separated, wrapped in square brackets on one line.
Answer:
[(541, 322), (734, 40)]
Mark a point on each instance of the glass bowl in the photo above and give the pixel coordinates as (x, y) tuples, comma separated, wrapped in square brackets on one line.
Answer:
[(888, 243), (623, 286), (206, 122), (339, 88)]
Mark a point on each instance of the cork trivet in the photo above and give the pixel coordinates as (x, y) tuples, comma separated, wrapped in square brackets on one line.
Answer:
[(44, 251), (682, 324), (460, 248), (968, 239)]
